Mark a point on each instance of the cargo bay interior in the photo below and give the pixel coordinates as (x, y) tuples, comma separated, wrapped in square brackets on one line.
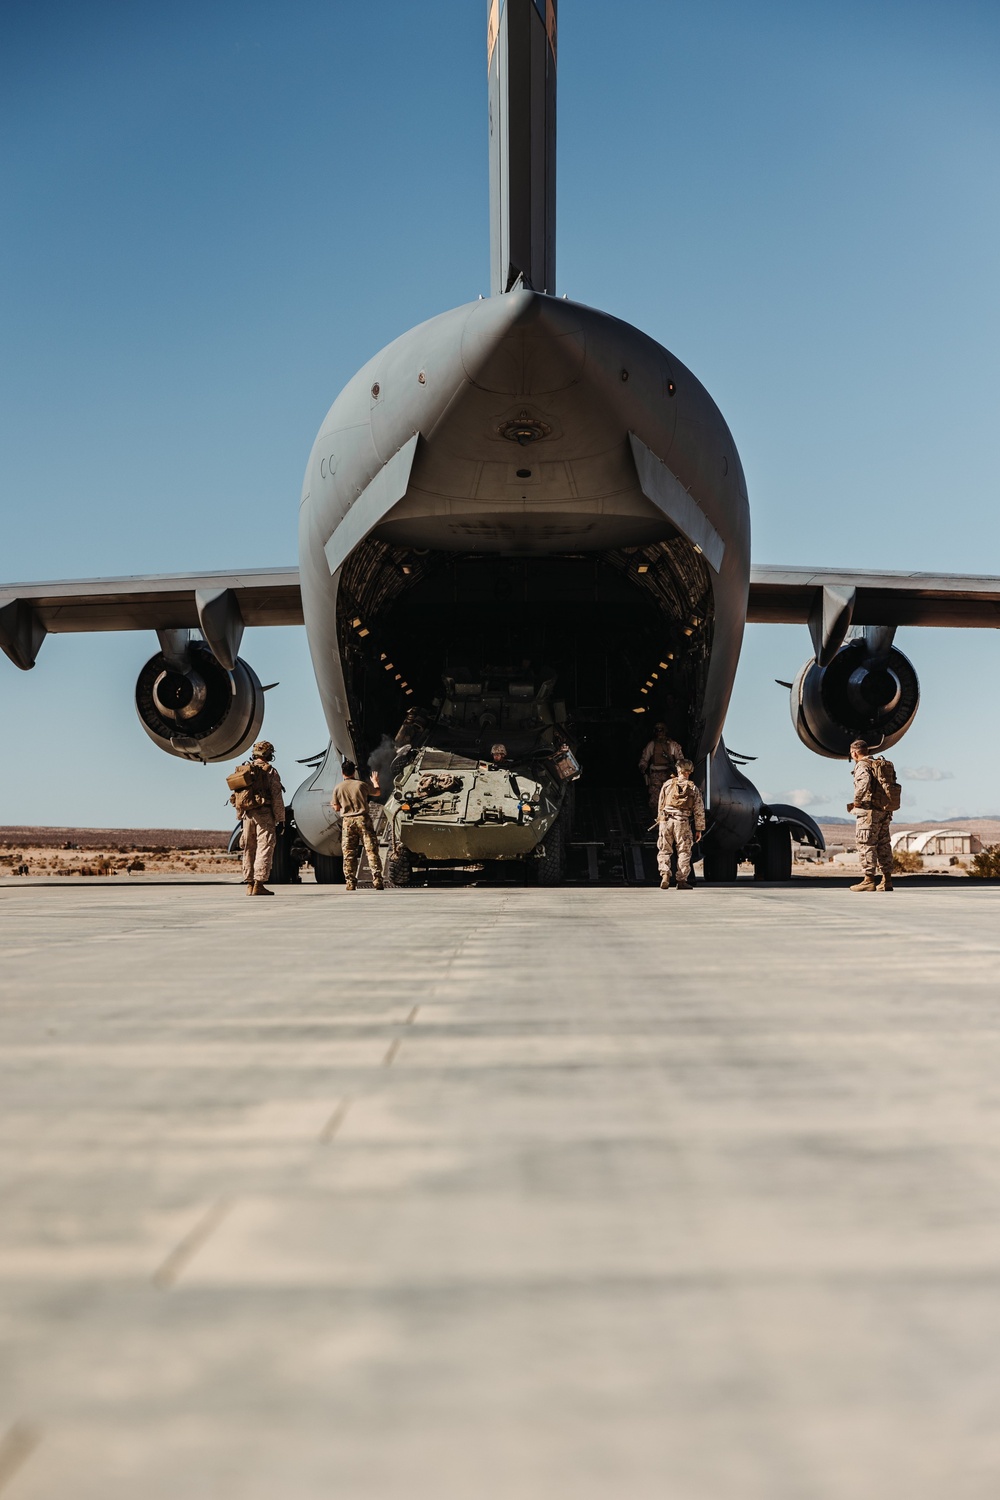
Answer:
[(623, 637)]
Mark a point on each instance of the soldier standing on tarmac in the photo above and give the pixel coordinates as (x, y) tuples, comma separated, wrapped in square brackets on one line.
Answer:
[(351, 798), (873, 812), (680, 813), (262, 809), (657, 762)]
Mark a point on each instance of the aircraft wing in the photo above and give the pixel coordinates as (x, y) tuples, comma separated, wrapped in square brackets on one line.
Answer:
[(791, 596), (270, 596), (30, 611)]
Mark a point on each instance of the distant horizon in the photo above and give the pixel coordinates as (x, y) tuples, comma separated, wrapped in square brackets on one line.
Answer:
[(8, 830)]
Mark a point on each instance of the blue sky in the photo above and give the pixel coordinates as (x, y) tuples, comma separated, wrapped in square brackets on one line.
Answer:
[(216, 213)]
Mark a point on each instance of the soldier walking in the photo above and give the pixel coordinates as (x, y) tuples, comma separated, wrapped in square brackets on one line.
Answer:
[(657, 762), (680, 813), (351, 798), (876, 792), (260, 804)]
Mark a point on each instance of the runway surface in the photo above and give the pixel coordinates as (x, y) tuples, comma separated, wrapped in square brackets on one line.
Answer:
[(499, 1194)]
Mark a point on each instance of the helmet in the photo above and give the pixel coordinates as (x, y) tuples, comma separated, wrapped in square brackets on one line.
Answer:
[(263, 750)]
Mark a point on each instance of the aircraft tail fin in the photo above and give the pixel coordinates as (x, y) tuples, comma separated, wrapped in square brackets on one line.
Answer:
[(521, 49)]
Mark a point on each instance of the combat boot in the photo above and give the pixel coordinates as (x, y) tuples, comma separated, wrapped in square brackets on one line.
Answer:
[(666, 883), (885, 884), (349, 884), (260, 889), (867, 884), (684, 885), (378, 885)]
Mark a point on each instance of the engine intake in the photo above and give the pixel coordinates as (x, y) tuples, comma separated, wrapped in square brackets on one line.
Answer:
[(192, 707), (869, 692)]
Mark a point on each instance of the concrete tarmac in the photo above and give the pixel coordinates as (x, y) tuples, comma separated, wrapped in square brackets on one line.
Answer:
[(499, 1194)]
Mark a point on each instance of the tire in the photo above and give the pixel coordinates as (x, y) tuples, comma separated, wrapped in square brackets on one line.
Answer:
[(551, 868), (399, 868), (284, 870), (775, 859), (328, 869), (720, 866)]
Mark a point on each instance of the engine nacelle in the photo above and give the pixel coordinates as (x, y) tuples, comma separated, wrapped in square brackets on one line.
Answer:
[(868, 692), (192, 707)]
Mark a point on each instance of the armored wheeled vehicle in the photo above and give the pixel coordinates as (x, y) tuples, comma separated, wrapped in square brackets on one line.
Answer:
[(488, 778)]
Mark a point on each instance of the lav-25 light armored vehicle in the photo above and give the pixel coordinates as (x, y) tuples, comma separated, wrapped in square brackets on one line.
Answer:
[(454, 803)]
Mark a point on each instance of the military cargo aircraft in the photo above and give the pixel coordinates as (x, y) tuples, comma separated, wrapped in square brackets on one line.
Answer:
[(523, 522)]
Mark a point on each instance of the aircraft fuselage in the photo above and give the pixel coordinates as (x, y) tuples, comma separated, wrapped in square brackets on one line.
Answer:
[(525, 482)]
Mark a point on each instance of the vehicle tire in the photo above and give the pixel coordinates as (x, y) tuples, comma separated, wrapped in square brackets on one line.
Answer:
[(775, 859), (399, 868), (328, 869), (551, 868), (284, 870), (720, 866)]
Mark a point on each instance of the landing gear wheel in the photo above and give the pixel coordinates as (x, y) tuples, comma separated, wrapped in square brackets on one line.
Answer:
[(399, 868), (720, 866), (775, 859), (284, 870), (551, 868), (328, 869)]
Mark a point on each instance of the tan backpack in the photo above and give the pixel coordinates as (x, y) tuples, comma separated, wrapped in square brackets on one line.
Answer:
[(886, 780), (250, 788)]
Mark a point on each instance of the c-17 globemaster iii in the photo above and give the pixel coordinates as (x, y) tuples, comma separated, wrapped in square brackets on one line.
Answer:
[(528, 520)]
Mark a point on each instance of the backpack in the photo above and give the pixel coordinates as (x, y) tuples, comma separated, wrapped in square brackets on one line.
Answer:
[(885, 779), (250, 787)]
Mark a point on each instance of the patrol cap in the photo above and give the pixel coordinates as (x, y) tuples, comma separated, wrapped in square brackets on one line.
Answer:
[(264, 750)]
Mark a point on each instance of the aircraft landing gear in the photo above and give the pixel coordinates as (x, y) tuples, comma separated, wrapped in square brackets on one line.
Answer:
[(774, 862), (720, 866), (328, 869)]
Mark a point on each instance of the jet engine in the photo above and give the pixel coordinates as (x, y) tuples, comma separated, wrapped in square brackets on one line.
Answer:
[(868, 691), (191, 706)]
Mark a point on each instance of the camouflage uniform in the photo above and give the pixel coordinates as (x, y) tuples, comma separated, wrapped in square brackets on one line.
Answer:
[(873, 821), (680, 813), (351, 797), (260, 828), (658, 762)]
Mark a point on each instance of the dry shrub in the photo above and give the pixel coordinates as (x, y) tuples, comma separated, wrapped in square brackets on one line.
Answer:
[(986, 866), (906, 862)]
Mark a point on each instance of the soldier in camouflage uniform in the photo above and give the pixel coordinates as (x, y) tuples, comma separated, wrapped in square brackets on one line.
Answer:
[(657, 763), (873, 819), (680, 813), (351, 798), (261, 823)]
